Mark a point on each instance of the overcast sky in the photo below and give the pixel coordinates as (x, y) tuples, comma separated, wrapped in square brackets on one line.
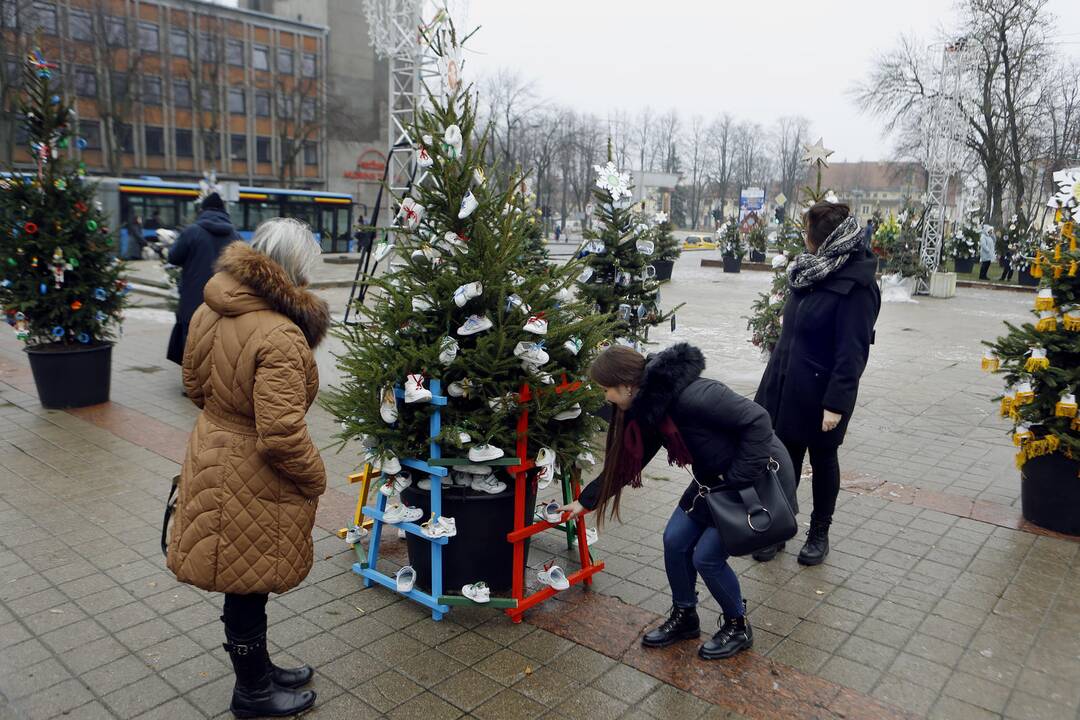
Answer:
[(756, 60)]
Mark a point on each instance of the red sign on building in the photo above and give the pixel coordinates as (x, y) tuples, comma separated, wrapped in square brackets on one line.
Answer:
[(370, 166)]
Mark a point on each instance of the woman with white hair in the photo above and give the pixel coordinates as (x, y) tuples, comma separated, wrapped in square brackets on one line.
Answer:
[(252, 475)]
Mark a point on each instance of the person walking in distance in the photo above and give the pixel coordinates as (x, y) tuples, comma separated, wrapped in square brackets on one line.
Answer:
[(812, 380), (986, 251), (664, 401), (252, 476), (195, 252)]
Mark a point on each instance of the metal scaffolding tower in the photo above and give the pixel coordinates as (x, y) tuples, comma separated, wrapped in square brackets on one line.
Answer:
[(945, 136)]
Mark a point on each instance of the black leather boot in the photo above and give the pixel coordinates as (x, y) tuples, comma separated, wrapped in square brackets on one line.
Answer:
[(255, 693), (285, 677), (817, 543), (766, 554), (682, 625), (734, 636)]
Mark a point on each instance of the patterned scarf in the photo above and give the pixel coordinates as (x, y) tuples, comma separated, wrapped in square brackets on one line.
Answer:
[(837, 249), (633, 450)]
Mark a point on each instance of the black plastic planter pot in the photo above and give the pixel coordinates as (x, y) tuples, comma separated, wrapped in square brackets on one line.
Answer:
[(1024, 278), (965, 265), (732, 264), (756, 256), (479, 551), (663, 269), (71, 376), (1050, 493)]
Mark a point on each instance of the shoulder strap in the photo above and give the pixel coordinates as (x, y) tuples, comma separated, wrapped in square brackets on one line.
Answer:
[(170, 506)]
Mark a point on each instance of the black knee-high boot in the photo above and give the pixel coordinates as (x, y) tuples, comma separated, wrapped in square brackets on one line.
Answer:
[(285, 677)]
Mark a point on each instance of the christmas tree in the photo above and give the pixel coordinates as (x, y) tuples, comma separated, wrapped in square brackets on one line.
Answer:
[(901, 242), (619, 279), (1041, 359), (667, 247), (767, 312), (731, 240), (963, 244), (459, 303), (59, 279)]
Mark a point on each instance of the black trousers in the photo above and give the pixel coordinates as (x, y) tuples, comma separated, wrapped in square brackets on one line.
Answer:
[(1006, 269), (826, 482), (245, 615), (984, 268)]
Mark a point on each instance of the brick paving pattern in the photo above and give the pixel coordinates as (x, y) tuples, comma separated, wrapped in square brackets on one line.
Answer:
[(936, 601)]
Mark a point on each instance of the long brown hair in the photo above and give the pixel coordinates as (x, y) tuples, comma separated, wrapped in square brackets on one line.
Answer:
[(618, 365)]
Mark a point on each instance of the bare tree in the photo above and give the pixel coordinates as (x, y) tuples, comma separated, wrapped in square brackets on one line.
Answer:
[(113, 50), (621, 134), (790, 135), (751, 163), (511, 102), (721, 140), (643, 127), (697, 149), (665, 142), (16, 17)]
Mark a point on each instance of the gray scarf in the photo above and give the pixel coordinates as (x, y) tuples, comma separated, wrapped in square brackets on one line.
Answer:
[(837, 249)]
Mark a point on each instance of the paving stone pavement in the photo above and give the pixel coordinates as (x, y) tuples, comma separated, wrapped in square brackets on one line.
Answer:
[(921, 610)]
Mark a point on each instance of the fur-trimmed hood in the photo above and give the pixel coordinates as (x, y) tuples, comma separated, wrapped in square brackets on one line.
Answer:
[(248, 280), (667, 374)]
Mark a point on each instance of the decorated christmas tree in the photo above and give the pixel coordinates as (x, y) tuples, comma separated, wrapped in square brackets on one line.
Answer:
[(619, 280), (1041, 359), (59, 279), (667, 247), (732, 243), (460, 303), (885, 237), (902, 243), (767, 312), (963, 244)]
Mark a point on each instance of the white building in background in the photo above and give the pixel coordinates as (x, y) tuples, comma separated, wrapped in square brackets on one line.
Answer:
[(654, 189)]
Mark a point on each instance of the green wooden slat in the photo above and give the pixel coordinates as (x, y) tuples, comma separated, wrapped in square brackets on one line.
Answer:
[(461, 601)]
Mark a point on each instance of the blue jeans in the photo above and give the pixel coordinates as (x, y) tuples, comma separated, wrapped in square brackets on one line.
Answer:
[(692, 549)]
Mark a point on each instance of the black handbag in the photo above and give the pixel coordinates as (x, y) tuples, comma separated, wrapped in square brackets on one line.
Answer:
[(753, 517), (170, 507)]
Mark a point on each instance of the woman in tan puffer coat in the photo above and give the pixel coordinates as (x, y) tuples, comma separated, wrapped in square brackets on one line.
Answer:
[(252, 475)]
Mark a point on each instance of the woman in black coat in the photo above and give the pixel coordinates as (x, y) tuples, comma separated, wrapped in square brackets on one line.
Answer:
[(812, 380), (195, 252), (663, 400)]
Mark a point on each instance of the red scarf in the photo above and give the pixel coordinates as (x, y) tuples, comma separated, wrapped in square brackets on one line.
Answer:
[(633, 451)]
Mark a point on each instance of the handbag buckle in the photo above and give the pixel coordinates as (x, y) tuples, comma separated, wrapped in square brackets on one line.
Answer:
[(750, 518), (774, 465)]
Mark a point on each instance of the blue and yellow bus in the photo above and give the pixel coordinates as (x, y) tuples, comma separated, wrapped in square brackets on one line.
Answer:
[(166, 204)]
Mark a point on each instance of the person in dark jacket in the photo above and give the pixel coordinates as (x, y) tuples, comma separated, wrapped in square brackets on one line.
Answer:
[(664, 401), (812, 380), (195, 252)]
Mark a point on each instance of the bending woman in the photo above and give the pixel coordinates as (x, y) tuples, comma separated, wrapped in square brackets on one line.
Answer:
[(663, 400)]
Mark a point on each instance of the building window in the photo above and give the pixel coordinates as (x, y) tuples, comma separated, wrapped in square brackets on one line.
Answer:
[(124, 138), (284, 61), (211, 146), (262, 103), (46, 17), (238, 148), (234, 52), (311, 153), (81, 25), (206, 98), (90, 131), (118, 86), (9, 14), (151, 90), (85, 82), (183, 143), (285, 106), (307, 110), (155, 140), (207, 48), (260, 57), (179, 44), (309, 65), (116, 31), (262, 149), (236, 101), (181, 91), (148, 37)]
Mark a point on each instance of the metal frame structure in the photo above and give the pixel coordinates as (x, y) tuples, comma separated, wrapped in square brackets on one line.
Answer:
[(945, 136)]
